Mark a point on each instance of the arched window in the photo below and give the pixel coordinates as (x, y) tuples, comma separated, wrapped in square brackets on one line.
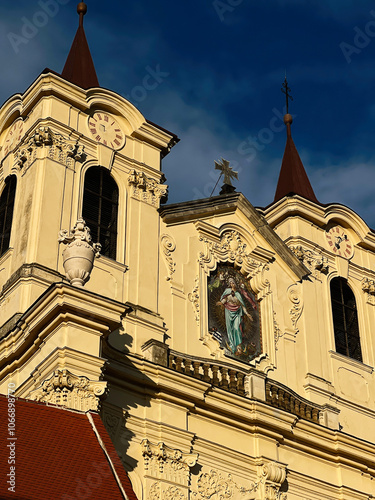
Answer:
[(6, 212), (345, 320), (100, 208)]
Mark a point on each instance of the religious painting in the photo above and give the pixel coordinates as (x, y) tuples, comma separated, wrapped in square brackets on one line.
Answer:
[(233, 314)]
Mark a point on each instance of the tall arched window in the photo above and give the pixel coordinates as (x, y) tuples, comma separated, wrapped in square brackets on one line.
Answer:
[(345, 320), (100, 208), (6, 212)]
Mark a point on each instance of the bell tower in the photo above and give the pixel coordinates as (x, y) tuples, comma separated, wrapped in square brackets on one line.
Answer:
[(73, 151)]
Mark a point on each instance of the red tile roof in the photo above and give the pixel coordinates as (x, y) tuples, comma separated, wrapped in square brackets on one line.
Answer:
[(59, 455)]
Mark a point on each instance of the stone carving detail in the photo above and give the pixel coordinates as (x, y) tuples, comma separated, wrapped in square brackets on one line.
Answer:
[(213, 486), (66, 389), (79, 254), (296, 311), (59, 148), (170, 493), (194, 299), (277, 331), (168, 246), (368, 287), (163, 462), (174, 493), (147, 189), (271, 477), (316, 263), (231, 248), (155, 492)]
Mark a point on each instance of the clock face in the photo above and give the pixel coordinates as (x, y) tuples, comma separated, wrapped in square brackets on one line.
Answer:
[(13, 137), (339, 242), (105, 129)]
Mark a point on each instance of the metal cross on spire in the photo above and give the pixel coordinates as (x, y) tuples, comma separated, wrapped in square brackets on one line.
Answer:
[(227, 171), (286, 90)]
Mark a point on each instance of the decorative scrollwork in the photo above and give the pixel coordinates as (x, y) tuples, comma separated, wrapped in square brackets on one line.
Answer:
[(168, 246), (146, 189), (296, 311), (212, 485)]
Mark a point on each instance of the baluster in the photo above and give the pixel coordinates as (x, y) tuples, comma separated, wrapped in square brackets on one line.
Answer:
[(281, 399), (302, 409), (215, 375), (297, 407), (178, 364), (206, 377), (274, 395), (315, 415), (268, 393), (188, 366), (196, 365), (224, 378), (171, 359), (240, 384), (287, 401), (232, 381)]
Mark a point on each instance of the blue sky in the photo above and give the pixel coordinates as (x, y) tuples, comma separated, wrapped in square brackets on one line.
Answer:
[(220, 66)]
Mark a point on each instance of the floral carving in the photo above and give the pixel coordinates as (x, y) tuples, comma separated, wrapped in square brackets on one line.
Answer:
[(168, 246), (277, 331), (213, 486), (146, 189), (155, 492), (174, 493), (66, 389), (59, 148), (194, 299)]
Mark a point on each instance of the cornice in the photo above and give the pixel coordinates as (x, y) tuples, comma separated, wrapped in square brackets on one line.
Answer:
[(197, 210), (59, 304), (50, 84)]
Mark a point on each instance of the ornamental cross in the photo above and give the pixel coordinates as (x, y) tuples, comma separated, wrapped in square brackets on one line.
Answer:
[(286, 90), (228, 172)]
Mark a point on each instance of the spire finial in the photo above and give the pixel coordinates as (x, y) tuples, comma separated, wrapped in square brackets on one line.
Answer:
[(81, 10), (286, 90)]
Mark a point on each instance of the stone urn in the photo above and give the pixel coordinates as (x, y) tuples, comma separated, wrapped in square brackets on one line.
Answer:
[(79, 254)]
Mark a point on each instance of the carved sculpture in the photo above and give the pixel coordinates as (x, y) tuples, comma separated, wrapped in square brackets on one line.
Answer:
[(69, 390), (368, 287), (194, 299), (313, 261), (79, 254), (147, 189), (59, 148)]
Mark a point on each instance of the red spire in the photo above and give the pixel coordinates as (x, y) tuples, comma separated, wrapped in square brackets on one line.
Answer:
[(79, 67), (293, 178)]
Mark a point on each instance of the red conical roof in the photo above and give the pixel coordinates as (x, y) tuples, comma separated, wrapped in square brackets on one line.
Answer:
[(79, 67), (293, 178)]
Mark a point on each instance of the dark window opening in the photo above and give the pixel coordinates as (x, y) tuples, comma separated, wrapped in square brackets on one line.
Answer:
[(6, 212), (345, 319), (100, 209)]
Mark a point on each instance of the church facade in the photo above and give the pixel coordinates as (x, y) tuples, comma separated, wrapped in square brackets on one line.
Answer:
[(229, 350)]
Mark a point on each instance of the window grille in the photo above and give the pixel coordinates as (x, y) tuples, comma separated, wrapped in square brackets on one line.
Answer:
[(345, 320), (100, 209), (6, 212)]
